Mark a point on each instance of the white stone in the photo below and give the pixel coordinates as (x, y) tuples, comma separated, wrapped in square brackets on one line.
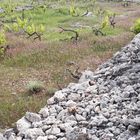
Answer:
[(52, 137), (44, 112), (55, 130), (132, 138), (60, 134), (92, 89), (89, 14), (71, 122), (75, 88), (74, 97), (19, 138), (59, 95), (33, 133), (62, 114), (86, 75), (12, 137), (37, 124), (50, 120), (79, 117), (23, 125), (62, 138), (42, 138), (46, 127), (1, 137), (70, 103), (50, 101), (32, 117), (65, 126)]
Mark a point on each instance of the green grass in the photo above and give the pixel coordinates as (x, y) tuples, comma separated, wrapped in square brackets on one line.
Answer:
[(11, 109), (53, 18), (112, 31)]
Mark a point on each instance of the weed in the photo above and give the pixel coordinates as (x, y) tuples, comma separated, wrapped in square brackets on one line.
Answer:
[(35, 87)]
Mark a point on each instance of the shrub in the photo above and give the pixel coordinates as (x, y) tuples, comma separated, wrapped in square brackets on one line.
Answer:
[(136, 27), (35, 87)]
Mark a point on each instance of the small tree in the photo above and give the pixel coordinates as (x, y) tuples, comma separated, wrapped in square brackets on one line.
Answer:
[(25, 27), (111, 15), (98, 30), (34, 31)]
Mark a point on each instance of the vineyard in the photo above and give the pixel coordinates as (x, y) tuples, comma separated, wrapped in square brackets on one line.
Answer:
[(45, 44)]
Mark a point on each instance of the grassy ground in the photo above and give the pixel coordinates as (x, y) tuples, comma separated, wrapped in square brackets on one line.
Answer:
[(47, 61)]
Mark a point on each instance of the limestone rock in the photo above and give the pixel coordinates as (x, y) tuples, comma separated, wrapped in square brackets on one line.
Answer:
[(33, 133), (23, 125), (86, 76), (44, 112), (2, 137), (59, 95), (32, 117)]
